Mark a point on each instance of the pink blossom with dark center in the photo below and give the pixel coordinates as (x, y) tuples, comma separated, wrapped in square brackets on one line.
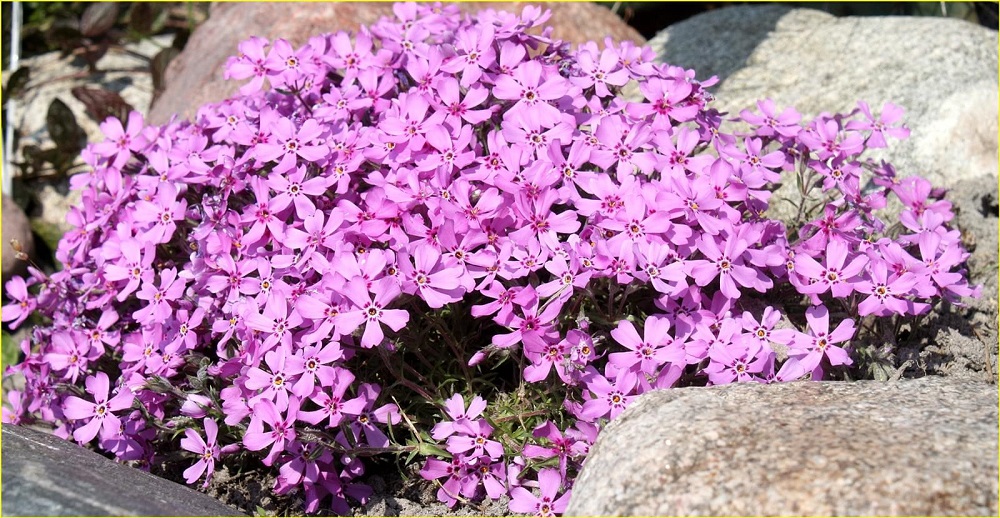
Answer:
[(99, 413)]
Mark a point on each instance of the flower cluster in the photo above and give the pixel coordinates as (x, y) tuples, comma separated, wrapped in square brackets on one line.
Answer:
[(445, 207)]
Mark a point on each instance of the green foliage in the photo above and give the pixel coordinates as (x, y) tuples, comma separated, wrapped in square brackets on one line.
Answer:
[(49, 233), (9, 350)]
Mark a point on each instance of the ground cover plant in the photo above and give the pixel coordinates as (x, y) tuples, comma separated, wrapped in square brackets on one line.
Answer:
[(450, 239)]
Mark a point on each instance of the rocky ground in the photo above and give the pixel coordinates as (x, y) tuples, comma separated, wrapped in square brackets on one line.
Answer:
[(958, 342)]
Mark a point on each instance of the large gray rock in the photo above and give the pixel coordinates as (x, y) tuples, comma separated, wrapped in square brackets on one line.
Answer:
[(47, 476), (15, 226), (941, 70), (916, 447)]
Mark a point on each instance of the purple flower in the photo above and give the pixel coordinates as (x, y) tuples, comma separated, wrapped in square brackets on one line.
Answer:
[(885, 291), (742, 360), (547, 503), (274, 385), (71, 355), (251, 62), (807, 351), (120, 142), (770, 123), (275, 320), (22, 303), (365, 421), (454, 471), (160, 214), (834, 276), (282, 428), (726, 264), (561, 446), (461, 108), (648, 354), (531, 91), (456, 410), (370, 309), (432, 277), (291, 143), (332, 405), (311, 363), (475, 53), (600, 71), (608, 399), (99, 413), (270, 262), (207, 449), (881, 126), (135, 265), (472, 438)]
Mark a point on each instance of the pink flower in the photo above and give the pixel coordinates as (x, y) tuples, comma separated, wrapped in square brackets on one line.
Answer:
[(667, 98), (370, 309), (472, 438), (294, 189), (282, 428), (207, 450), (99, 413), (770, 123), (808, 351), (608, 399), (462, 108), (251, 62), (275, 320), (274, 385), (135, 265), (531, 91), (882, 126), (885, 291), (834, 276), (727, 264), (22, 303), (312, 363), (456, 410), (474, 47), (160, 215), (332, 405), (291, 143), (546, 504), (365, 421), (158, 300), (600, 71), (646, 354), (742, 361), (120, 142)]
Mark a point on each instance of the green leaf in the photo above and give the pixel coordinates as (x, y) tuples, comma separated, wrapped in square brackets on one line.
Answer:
[(10, 352), (427, 449), (50, 233)]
